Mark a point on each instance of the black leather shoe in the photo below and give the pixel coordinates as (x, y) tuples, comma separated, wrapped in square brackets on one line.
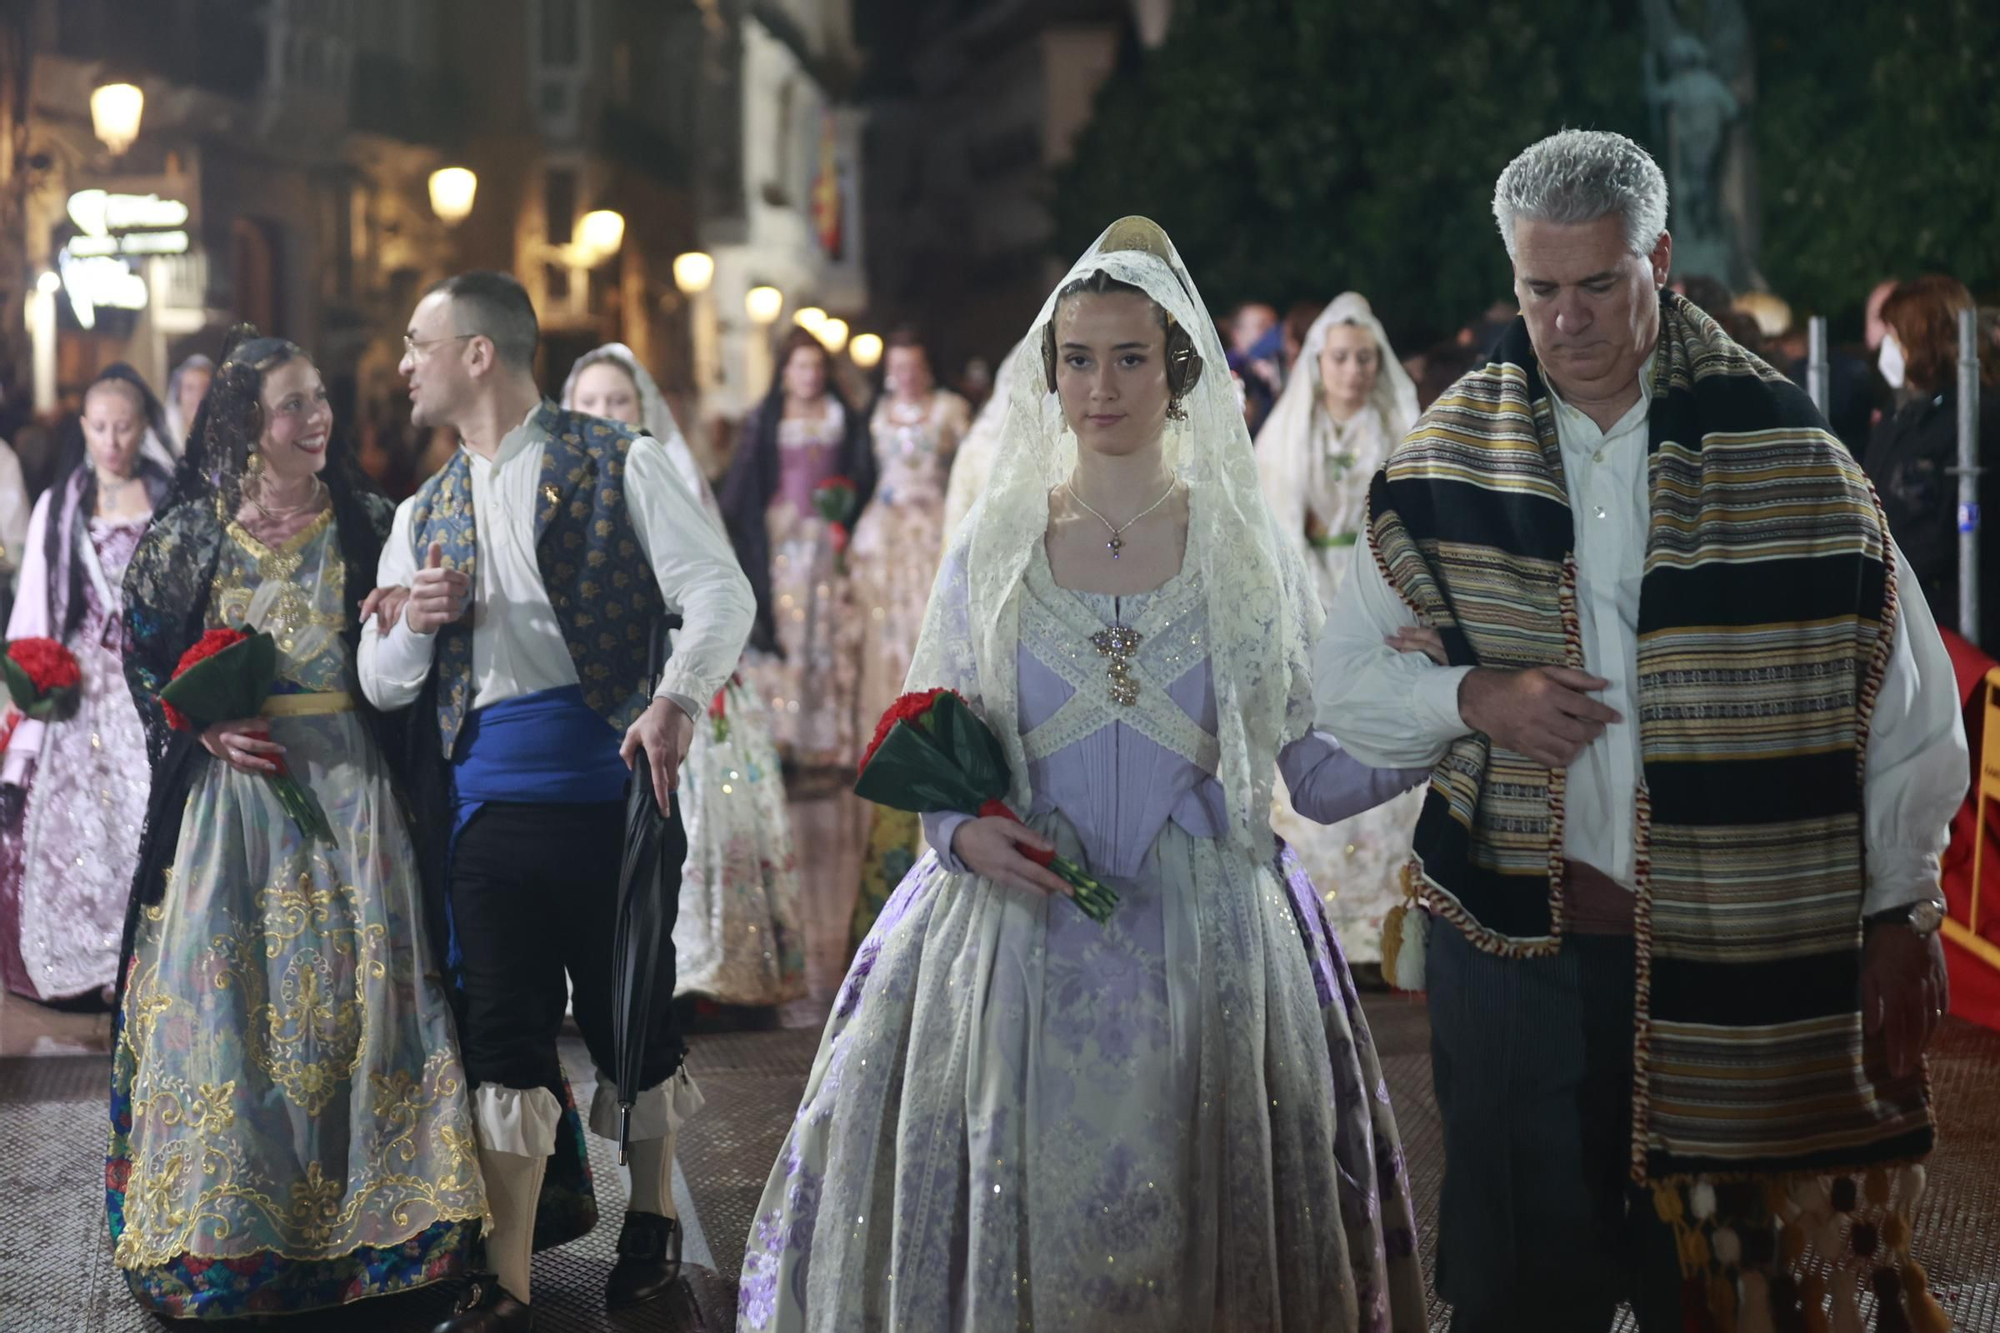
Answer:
[(649, 1260), (487, 1308)]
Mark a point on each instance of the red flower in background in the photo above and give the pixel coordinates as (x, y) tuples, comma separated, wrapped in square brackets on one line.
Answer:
[(48, 664), (42, 679)]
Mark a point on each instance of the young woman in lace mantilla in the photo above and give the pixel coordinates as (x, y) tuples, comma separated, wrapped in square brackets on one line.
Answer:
[(1176, 1119)]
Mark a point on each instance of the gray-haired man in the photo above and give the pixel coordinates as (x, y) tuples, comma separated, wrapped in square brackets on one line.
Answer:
[(1694, 758)]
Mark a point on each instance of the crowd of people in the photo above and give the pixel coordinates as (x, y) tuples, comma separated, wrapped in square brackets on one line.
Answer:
[(1310, 653)]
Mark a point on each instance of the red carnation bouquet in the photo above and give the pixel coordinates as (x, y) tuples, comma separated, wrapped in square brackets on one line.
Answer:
[(833, 498), (42, 679), (228, 675), (932, 753)]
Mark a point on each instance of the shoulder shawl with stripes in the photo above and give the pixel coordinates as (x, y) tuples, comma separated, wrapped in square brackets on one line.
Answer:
[(1766, 615)]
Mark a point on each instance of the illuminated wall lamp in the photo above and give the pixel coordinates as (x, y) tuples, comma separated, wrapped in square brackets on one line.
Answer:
[(452, 192), (600, 233), (693, 272), (115, 112), (763, 304)]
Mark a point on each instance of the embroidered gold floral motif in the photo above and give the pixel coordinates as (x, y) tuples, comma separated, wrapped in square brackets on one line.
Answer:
[(1118, 643)]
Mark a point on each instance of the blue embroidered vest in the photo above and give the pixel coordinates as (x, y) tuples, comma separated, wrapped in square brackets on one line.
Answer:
[(598, 579)]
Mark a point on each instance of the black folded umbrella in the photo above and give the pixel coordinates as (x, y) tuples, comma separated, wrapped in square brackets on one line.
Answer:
[(649, 883)]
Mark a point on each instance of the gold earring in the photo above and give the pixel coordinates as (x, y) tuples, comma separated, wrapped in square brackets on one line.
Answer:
[(1175, 412)]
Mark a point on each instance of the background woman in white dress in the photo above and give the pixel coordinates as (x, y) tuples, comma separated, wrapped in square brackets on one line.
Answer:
[(737, 938), (1019, 1117), (1347, 404)]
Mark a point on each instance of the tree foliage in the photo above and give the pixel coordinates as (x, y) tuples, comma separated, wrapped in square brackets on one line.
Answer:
[(1298, 148), (1878, 147)]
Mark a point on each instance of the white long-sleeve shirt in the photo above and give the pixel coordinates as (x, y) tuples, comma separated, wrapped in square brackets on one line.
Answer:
[(517, 643), (1401, 709)]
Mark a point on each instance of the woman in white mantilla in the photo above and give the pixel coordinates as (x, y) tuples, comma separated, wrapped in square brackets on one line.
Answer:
[(1347, 404), (736, 939), (1019, 1117)]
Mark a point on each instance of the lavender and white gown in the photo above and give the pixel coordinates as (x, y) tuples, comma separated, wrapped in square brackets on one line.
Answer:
[(70, 865), (1018, 1118)]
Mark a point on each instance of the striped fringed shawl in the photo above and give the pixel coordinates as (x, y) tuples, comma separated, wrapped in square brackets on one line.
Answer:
[(1766, 615)]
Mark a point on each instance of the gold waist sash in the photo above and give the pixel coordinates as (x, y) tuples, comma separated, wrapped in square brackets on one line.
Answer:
[(315, 704)]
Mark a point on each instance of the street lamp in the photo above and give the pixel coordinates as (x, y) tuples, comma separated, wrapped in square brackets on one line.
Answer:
[(833, 335), (452, 191), (866, 350), (693, 272), (115, 110), (763, 304), (811, 319), (599, 234)]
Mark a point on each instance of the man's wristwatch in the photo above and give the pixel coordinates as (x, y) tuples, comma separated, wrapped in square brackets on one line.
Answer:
[(1925, 917)]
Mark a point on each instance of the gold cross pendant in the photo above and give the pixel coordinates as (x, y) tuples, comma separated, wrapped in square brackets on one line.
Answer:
[(1118, 643)]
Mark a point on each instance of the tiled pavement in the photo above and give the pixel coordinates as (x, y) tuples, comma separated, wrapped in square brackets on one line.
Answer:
[(56, 1277)]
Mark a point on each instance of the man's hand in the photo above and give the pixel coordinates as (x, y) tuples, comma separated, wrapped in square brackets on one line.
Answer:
[(438, 596), (386, 605), (1545, 713), (664, 732), (1904, 992)]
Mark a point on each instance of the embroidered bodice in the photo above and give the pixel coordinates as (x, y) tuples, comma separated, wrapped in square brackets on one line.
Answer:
[(1117, 710), (809, 453), (297, 591)]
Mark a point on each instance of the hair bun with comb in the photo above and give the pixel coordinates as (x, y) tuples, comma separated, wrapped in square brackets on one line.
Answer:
[(1141, 234)]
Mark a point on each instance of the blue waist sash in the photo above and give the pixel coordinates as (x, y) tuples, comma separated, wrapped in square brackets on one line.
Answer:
[(547, 747)]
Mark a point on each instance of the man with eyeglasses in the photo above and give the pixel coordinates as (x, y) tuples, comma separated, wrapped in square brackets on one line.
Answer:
[(540, 563)]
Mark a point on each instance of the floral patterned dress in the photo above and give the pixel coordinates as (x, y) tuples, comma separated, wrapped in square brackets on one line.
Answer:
[(66, 875), (1358, 863), (1019, 1118), (290, 1126), (897, 547), (810, 690)]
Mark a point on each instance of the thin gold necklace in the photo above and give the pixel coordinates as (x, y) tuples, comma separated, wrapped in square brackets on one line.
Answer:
[(277, 515), (1117, 541)]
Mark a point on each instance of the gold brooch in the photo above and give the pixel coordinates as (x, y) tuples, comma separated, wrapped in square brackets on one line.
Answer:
[(1118, 644)]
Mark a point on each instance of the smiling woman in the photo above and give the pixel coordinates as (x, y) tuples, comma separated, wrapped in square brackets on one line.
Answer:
[(270, 528)]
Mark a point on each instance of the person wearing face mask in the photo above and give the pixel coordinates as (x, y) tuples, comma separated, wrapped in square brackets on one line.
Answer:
[(736, 937), (74, 794), (281, 1021), (1171, 1119), (1346, 405), (1914, 450), (917, 427), (1695, 748)]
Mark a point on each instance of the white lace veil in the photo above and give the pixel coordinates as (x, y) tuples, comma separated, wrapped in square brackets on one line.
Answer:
[(1263, 615), (655, 417), (1287, 454), (972, 461)]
